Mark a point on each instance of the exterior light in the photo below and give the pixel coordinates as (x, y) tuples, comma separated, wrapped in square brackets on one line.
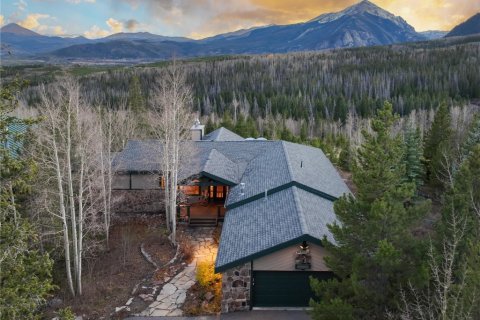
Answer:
[(303, 258), (304, 245)]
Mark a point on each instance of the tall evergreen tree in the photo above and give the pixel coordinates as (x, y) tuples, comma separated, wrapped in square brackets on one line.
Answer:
[(472, 139), (227, 121), (374, 253), (437, 144), (25, 273), (138, 107), (413, 156)]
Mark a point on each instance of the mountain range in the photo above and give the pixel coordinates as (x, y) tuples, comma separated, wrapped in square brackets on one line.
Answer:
[(363, 24)]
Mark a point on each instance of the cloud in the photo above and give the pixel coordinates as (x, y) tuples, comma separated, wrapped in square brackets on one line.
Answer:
[(96, 32), (32, 21), (131, 24), (58, 30), (21, 5), (115, 25), (433, 14), (2, 20)]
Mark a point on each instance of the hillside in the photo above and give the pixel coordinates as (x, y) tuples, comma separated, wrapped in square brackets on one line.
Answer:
[(306, 87), (469, 27)]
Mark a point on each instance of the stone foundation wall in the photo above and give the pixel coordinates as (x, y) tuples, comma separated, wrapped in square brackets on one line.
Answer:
[(236, 289), (137, 201)]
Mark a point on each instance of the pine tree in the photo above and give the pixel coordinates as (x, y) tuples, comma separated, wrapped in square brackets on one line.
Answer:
[(413, 156), (472, 139), (375, 253), (138, 107), (209, 126), (437, 144), (227, 122), (25, 273)]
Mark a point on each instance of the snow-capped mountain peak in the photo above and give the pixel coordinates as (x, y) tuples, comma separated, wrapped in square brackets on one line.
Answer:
[(363, 7)]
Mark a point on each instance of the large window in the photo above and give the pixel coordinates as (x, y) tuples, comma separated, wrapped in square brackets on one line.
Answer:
[(190, 190), (217, 192)]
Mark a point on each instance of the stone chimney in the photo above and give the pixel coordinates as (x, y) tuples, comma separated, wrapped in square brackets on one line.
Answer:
[(197, 131)]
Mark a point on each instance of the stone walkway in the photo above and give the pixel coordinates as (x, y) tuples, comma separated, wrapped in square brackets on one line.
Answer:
[(173, 294)]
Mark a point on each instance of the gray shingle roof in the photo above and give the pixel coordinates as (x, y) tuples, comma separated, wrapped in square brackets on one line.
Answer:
[(139, 156), (222, 134), (286, 162), (268, 222), (300, 181), (220, 166)]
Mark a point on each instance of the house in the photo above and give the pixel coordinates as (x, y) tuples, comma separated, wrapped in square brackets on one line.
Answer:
[(275, 199)]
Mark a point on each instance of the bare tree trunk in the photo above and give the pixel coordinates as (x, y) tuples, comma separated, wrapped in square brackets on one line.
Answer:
[(71, 196), (63, 212), (174, 118), (69, 152)]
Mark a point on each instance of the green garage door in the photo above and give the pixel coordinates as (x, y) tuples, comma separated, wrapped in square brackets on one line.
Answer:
[(283, 288)]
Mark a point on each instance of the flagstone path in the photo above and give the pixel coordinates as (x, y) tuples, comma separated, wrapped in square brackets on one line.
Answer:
[(173, 294)]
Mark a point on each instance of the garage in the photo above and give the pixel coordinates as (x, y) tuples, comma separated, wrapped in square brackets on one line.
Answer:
[(284, 288)]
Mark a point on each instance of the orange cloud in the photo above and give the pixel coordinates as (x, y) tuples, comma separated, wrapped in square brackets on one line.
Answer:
[(31, 21), (115, 25)]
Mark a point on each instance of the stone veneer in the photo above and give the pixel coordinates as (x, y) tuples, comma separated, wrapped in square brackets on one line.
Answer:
[(236, 288)]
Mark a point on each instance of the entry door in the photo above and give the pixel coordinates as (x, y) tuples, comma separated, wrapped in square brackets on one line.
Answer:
[(284, 288)]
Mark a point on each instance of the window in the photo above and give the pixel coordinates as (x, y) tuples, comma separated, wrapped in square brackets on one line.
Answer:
[(162, 182), (220, 192), (190, 190)]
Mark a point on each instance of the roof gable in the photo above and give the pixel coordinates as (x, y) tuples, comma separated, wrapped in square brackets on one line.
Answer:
[(219, 166), (287, 164), (276, 221), (310, 167), (222, 134)]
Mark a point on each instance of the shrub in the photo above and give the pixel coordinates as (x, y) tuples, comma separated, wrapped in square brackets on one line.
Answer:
[(187, 250), (206, 275), (66, 314)]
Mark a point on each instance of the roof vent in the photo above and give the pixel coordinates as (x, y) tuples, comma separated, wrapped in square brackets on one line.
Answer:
[(301, 164), (250, 139), (262, 139), (242, 189)]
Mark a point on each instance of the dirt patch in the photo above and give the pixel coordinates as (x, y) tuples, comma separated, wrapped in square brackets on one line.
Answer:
[(110, 277), (159, 248)]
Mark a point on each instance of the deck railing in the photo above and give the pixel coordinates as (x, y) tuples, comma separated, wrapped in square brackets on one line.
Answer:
[(202, 215)]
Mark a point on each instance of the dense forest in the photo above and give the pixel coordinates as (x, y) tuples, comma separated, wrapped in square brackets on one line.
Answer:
[(321, 98), (304, 86)]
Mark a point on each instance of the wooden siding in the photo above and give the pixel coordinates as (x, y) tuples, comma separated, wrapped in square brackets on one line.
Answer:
[(284, 259)]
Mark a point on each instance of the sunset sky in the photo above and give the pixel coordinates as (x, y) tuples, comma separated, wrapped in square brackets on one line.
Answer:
[(202, 18)]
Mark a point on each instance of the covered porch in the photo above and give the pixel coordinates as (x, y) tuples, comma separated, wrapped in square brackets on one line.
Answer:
[(203, 203), (202, 215)]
